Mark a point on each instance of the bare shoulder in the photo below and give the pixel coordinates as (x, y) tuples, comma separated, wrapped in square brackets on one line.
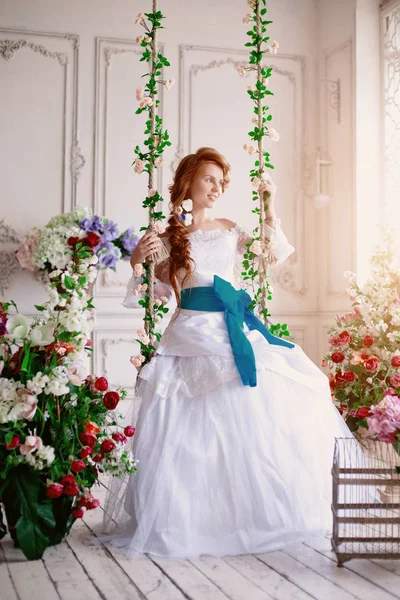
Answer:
[(226, 223)]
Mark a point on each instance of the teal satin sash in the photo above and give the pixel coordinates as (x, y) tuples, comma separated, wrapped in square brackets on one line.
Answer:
[(223, 297)]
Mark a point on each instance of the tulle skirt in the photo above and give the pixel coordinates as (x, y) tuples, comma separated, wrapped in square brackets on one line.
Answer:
[(227, 469)]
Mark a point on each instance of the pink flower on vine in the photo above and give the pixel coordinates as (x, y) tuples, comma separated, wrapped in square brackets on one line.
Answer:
[(139, 166), (138, 270), (273, 48), (139, 39), (159, 162), (169, 83), (147, 101), (242, 71), (273, 135), (137, 360), (139, 94), (140, 19)]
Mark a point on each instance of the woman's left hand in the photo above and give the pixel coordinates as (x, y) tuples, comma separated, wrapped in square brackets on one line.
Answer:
[(268, 188)]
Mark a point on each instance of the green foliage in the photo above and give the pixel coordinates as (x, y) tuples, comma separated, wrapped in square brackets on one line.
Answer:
[(258, 48), (154, 146)]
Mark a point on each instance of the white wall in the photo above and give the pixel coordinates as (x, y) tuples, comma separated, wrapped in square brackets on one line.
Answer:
[(93, 94)]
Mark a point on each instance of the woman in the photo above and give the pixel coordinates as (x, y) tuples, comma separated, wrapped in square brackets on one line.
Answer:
[(236, 428)]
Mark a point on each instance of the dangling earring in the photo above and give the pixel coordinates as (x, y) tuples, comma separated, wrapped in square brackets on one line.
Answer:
[(187, 205)]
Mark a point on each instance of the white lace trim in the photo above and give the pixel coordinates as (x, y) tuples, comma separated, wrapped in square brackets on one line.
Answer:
[(187, 376)]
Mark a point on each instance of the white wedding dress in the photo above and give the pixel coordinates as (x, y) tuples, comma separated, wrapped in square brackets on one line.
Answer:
[(226, 468)]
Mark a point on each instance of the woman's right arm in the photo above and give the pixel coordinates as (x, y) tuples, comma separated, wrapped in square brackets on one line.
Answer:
[(149, 244)]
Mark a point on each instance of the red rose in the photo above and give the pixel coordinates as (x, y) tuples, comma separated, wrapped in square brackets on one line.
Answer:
[(119, 437), (77, 466), (339, 378), (107, 446), (73, 240), (349, 376), (345, 337), (15, 441), (54, 490), (337, 357), (85, 452), (101, 384), (69, 485), (363, 412), (372, 363), (111, 400), (395, 362), (98, 458), (77, 513), (67, 479), (92, 504), (129, 430), (88, 439), (91, 239), (368, 341)]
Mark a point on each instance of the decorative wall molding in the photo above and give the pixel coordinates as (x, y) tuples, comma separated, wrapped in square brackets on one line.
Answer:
[(106, 342), (346, 46), (77, 161), (107, 50), (69, 61), (291, 276)]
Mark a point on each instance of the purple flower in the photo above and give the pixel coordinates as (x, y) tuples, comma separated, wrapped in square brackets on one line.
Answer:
[(110, 231), (108, 255), (94, 224), (129, 240)]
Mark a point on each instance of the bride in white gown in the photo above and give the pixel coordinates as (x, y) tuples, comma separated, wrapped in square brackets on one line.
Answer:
[(233, 459)]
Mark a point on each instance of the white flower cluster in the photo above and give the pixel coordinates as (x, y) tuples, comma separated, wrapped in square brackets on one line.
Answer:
[(70, 219), (53, 248), (12, 405), (42, 458), (58, 384), (120, 461), (38, 383)]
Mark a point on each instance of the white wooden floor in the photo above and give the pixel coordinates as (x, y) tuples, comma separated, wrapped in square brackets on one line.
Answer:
[(79, 570)]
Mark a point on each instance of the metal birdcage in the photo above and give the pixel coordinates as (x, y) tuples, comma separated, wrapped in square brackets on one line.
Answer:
[(365, 500)]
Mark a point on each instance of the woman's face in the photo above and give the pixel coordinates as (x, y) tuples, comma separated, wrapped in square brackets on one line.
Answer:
[(207, 186)]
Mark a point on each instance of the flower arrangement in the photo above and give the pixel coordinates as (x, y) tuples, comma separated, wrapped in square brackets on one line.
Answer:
[(256, 259), (364, 353), (49, 248), (58, 428), (147, 161)]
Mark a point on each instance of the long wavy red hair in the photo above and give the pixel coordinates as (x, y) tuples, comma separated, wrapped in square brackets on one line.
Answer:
[(181, 263)]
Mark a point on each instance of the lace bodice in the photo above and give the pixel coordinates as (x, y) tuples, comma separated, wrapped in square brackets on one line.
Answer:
[(215, 252)]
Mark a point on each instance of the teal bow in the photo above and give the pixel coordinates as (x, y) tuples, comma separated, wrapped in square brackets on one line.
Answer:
[(235, 303)]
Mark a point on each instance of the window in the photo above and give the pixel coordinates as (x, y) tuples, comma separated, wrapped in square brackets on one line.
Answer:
[(391, 82)]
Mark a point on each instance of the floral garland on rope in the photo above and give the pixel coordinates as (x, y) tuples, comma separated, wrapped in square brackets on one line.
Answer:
[(258, 256), (149, 161)]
